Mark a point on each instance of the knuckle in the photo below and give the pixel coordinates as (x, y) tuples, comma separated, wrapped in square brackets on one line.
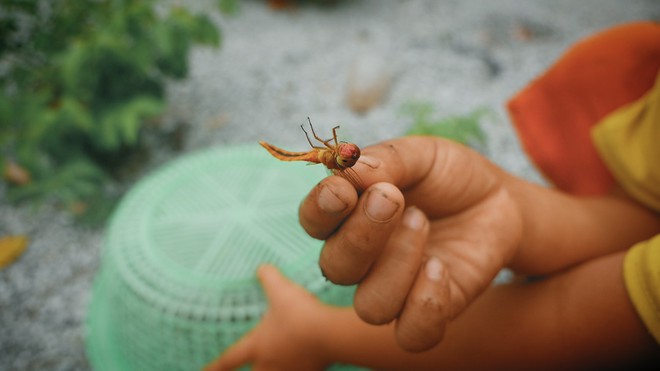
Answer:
[(404, 253), (358, 243), (427, 303)]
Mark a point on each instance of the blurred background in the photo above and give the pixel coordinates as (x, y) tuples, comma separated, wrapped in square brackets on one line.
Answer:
[(98, 93)]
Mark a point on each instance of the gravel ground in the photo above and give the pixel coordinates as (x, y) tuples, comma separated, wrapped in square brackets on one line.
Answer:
[(273, 70)]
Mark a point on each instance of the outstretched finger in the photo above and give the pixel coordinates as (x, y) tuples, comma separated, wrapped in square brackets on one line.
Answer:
[(421, 325), (279, 290), (239, 354)]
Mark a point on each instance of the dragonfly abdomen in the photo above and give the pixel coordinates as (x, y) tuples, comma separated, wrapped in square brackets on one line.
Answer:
[(284, 155)]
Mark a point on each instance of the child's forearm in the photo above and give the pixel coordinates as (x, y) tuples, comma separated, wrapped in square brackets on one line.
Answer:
[(578, 319), (560, 230)]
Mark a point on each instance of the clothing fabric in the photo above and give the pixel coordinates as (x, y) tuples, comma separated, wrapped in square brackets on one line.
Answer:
[(628, 140), (641, 273), (593, 121), (629, 143), (555, 113)]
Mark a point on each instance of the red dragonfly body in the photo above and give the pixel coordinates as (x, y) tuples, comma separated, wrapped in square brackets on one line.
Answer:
[(339, 157)]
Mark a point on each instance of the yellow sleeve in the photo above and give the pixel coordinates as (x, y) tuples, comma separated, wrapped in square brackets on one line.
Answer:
[(641, 273), (628, 141)]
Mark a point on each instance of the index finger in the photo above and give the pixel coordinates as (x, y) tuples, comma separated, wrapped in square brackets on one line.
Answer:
[(439, 176)]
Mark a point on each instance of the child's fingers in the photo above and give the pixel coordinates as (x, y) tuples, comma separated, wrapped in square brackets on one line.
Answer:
[(272, 281), (277, 288), (382, 294), (351, 250), (421, 325), (326, 206), (239, 354)]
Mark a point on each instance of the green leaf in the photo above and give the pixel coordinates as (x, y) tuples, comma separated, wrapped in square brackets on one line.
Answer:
[(121, 125), (5, 112), (72, 182), (139, 109), (174, 41), (106, 136), (76, 70), (464, 129), (205, 31), (74, 114), (229, 7)]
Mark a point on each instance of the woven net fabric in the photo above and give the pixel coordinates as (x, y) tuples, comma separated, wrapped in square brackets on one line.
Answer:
[(177, 280)]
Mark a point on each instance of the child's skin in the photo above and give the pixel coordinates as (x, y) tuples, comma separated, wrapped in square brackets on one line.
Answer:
[(434, 226)]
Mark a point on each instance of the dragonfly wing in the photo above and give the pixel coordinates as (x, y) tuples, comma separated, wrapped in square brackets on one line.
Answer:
[(352, 176)]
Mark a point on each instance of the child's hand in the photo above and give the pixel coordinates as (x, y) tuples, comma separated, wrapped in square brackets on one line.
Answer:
[(284, 339), (432, 229)]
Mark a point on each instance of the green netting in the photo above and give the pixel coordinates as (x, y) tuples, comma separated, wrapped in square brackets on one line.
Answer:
[(176, 284)]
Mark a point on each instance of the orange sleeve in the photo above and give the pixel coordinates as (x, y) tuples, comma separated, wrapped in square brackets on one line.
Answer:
[(555, 113)]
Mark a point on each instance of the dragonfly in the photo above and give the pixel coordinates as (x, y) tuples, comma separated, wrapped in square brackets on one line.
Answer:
[(338, 157)]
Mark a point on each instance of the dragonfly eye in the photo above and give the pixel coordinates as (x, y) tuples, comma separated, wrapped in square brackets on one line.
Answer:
[(347, 154)]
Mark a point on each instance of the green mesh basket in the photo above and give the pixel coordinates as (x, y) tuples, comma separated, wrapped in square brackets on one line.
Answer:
[(177, 280)]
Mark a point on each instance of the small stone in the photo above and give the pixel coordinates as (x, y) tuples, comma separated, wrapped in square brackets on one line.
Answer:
[(368, 82)]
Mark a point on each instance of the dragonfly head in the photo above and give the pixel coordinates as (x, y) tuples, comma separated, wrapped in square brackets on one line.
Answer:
[(347, 155)]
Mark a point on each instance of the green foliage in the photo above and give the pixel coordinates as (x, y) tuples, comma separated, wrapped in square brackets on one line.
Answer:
[(463, 128), (228, 6), (78, 79)]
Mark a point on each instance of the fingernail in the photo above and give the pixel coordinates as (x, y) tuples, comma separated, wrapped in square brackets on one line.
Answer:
[(379, 207), (433, 269), (329, 202), (413, 218)]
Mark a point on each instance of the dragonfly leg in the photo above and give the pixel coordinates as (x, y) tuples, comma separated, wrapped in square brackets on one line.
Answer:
[(308, 140), (325, 142), (334, 134), (307, 136)]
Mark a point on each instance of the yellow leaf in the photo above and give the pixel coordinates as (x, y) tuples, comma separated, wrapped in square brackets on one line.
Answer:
[(11, 247)]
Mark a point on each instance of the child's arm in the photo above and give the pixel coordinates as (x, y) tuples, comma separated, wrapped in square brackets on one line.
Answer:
[(579, 319), (561, 230)]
